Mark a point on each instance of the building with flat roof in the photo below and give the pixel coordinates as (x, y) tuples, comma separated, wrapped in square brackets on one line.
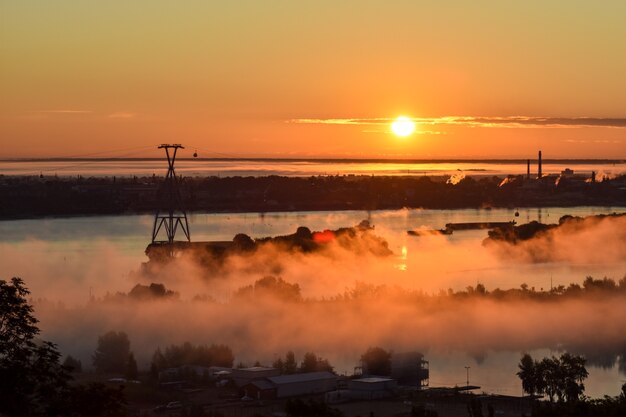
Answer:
[(372, 388), (304, 384), (294, 385)]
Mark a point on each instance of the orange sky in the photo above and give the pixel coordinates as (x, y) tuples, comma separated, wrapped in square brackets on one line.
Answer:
[(240, 78)]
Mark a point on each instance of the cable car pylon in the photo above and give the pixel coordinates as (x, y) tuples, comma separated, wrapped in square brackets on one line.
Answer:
[(170, 213)]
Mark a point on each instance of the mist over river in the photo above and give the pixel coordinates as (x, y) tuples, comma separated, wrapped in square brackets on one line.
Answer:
[(68, 261)]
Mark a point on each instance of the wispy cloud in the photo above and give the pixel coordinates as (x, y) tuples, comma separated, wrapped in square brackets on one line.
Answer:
[(61, 112), (482, 121), (121, 115), (417, 132), (64, 111)]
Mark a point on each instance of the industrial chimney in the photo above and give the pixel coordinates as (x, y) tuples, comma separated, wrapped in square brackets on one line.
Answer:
[(528, 169), (539, 167)]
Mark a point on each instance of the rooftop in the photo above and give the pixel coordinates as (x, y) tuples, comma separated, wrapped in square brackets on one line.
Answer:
[(255, 369), (373, 379), (306, 377)]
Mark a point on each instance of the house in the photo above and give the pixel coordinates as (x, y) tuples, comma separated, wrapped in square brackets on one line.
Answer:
[(260, 389)]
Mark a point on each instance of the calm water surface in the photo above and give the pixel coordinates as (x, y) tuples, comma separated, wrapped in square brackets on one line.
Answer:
[(211, 167)]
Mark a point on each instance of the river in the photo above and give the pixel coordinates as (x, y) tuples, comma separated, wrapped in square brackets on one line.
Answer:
[(91, 256)]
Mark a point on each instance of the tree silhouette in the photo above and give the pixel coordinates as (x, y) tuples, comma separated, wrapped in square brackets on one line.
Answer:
[(131, 367), (112, 352), (190, 354), (574, 374), (527, 374), (31, 377), (279, 364), (72, 364), (290, 363), (377, 361), (309, 363), (32, 381), (559, 378)]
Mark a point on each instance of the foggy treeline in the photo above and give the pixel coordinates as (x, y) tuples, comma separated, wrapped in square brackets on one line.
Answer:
[(271, 315)]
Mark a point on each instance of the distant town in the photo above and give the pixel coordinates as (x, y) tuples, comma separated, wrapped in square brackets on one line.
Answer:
[(49, 195)]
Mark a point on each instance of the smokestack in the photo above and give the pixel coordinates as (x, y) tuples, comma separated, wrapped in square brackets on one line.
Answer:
[(539, 168), (528, 169)]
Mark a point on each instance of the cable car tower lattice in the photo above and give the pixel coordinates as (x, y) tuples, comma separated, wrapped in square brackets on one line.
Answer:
[(170, 213)]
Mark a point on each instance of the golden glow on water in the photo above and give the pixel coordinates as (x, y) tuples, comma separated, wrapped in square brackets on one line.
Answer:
[(402, 266), (202, 167)]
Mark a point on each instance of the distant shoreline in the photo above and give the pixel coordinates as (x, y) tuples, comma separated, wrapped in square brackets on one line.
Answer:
[(28, 197)]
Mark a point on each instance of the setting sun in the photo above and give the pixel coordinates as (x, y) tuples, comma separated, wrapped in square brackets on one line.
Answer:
[(403, 126)]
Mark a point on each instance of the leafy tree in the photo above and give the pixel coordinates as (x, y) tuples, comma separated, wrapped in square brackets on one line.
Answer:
[(528, 374), (158, 361), (309, 363), (72, 364), (222, 355), (271, 287), (32, 381), (377, 361), (279, 364), (31, 377), (559, 378), (290, 363), (574, 374), (152, 291), (324, 365), (189, 354), (243, 242), (131, 367), (112, 352), (154, 371)]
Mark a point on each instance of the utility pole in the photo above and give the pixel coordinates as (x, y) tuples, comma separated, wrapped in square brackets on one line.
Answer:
[(170, 213), (467, 368)]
